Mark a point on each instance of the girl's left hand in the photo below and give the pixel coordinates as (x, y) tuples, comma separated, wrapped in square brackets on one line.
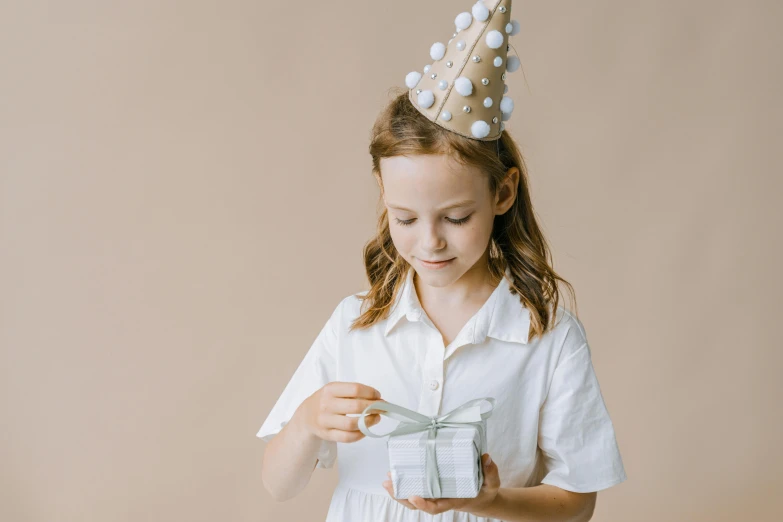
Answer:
[(433, 506)]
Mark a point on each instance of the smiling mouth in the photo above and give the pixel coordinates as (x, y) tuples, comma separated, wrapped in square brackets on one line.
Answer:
[(436, 262)]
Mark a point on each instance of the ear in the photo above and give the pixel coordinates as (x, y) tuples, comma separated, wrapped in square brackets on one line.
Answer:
[(507, 193)]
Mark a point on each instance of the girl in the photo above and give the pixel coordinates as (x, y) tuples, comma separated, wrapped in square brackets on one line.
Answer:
[(463, 304)]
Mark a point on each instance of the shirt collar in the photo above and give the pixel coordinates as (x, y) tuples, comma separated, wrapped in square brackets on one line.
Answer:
[(503, 316)]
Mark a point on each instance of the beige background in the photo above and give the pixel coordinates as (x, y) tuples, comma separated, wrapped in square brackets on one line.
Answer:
[(185, 191)]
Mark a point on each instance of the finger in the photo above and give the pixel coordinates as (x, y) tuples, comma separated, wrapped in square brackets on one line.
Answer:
[(341, 405), (341, 422), (387, 485), (491, 475), (343, 436), (369, 420), (440, 503), (424, 504), (353, 389), (405, 503), (446, 504)]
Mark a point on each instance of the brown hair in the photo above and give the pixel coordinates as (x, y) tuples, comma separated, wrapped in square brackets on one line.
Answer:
[(516, 242)]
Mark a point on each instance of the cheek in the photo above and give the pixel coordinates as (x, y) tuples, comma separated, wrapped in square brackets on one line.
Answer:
[(402, 239), (469, 240), (473, 237)]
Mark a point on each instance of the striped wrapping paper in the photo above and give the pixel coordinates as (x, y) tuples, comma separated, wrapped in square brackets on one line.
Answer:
[(458, 454)]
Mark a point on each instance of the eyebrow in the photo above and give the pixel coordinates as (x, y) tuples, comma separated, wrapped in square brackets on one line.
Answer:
[(463, 203)]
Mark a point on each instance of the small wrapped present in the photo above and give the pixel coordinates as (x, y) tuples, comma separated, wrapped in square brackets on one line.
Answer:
[(435, 457)]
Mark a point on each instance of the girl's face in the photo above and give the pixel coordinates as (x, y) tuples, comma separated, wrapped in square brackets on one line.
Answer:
[(440, 210)]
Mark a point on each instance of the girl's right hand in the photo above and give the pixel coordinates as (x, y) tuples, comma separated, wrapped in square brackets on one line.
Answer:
[(323, 413)]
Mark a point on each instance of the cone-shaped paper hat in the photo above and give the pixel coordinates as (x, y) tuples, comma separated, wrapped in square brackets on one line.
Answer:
[(464, 89)]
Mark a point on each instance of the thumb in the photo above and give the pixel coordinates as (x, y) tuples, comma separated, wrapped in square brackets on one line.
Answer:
[(491, 476)]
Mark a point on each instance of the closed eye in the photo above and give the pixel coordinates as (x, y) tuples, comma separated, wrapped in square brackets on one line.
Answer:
[(458, 222)]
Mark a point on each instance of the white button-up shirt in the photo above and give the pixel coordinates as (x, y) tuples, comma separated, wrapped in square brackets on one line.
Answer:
[(549, 425)]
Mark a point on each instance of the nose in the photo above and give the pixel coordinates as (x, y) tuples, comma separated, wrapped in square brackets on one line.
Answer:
[(432, 241)]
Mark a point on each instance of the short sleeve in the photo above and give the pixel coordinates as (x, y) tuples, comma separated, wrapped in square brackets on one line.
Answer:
[(575, 432), (316, 369)]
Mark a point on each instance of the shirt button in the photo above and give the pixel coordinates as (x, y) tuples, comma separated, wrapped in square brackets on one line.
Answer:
[(434, 385)]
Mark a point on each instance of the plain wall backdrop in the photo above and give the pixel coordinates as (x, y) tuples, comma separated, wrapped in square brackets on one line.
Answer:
[(185, 191)]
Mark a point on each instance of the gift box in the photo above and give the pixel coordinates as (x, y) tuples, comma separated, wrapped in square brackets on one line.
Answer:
[(435, 457)]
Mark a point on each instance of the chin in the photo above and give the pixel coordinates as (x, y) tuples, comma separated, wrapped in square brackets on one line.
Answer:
[(439, 278)]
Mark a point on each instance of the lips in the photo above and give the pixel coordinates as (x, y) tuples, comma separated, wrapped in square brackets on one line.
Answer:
[(437, 264)]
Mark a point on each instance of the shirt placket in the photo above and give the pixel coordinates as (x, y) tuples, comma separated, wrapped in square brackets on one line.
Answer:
[(432, 364), (432, 387), (434, 360)]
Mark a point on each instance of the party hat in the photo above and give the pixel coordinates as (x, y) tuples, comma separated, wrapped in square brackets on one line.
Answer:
[(464, 89)]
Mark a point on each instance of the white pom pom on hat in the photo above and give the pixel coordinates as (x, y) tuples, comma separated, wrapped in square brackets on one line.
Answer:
[(480, 129), (463, 21), (506, 105), (426, 99), (437, 51), (480, 11), (412, 79), (512, 64), (512, 28), (464, 86), (495, 39)]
